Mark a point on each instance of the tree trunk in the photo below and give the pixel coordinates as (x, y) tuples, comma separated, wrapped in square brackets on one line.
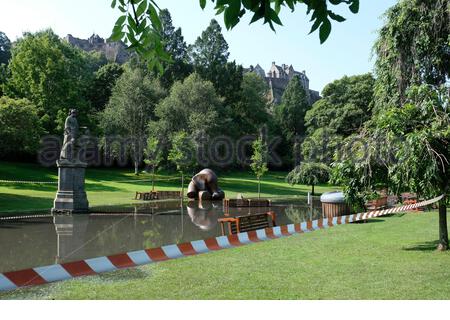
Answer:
[(136, 157), (443, 232), (312, 190), (136, 167), (182, 185), (259, 187), (153, 178)]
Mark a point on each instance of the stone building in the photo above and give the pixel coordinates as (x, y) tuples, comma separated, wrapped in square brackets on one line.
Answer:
[(278, 78), (113, 51)]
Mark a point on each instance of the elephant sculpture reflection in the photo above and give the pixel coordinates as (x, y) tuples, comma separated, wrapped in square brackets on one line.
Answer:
[(204, 186)]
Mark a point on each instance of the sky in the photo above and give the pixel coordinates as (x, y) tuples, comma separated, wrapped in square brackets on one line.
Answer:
[(348, 50)]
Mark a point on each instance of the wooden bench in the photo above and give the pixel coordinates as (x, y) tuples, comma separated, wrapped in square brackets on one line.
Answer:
[(142, 196), (157, 195), (377, 204), (247, 223), (410, 198)]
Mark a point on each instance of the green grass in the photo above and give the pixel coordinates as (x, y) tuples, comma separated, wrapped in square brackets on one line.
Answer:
[(387, 258), (113, 186)]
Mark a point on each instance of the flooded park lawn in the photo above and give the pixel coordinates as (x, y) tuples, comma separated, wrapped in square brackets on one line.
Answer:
[(39, 240)]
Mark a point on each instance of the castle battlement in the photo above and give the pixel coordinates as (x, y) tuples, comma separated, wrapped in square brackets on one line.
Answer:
[(278, 78)]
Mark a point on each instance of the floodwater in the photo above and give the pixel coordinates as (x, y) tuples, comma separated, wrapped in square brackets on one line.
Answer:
[(40, 241)]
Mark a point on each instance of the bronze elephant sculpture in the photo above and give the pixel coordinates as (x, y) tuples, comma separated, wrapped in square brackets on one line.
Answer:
[(204, 186)]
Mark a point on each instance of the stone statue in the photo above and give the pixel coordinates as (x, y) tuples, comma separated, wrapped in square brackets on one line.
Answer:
[(70, 145), (71, 195), (204, 186)]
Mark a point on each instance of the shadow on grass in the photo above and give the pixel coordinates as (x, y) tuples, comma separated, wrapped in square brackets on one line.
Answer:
[(369, 221), (426, 246), (123, 275), (9, 202)]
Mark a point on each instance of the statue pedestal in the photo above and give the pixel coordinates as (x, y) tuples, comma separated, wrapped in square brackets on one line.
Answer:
[(71, 197)]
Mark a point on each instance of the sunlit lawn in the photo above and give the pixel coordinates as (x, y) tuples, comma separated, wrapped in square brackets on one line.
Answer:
[(118, 186)]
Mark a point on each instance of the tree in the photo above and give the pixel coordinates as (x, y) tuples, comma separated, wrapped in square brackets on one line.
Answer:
[(251, 111), (173, 41), (412, 52), (209, 56), (130, 109), (143, 23), (104, 80), (405, 148), (53, 75), (192, 106), (259, 160), (291, 113), (321, 146), (345, 106), (20, 129), (182, 154), (5, 48), (309, 173), (424, 157), (210, 49), (411, 49), (153, 155)]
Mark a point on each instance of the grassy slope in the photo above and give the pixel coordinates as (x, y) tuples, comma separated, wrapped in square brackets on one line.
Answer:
[(107, 186), (388, 258)]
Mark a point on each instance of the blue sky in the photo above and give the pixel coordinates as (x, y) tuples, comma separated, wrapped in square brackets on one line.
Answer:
[(346, 52)]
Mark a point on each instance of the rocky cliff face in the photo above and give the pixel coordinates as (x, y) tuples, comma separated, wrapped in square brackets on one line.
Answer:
[(114, 51)]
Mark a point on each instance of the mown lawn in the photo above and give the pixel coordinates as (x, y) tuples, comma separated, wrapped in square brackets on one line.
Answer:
[(387, 258), (118, 186)]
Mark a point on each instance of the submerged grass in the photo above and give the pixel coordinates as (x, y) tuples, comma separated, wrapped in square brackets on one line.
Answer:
[(388, 258)]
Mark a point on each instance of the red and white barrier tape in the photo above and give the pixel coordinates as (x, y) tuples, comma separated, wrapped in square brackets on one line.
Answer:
[(41, 275)]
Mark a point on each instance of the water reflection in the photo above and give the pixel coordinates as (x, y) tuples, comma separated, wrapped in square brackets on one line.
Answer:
[(109, 230), (204, 214)]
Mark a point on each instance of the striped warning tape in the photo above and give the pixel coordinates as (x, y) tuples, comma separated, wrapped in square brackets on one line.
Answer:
[(57, 272), (29, 216)]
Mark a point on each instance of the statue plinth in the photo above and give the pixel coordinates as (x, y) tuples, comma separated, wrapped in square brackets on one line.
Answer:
[(71, 196)]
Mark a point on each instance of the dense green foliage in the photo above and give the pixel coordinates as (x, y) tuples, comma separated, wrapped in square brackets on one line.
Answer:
[(104, 80), (250, 113), (345, 106), (412, 48), (192, 106), (140, 23), (290, 115), (20, 128), (52, 74)]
